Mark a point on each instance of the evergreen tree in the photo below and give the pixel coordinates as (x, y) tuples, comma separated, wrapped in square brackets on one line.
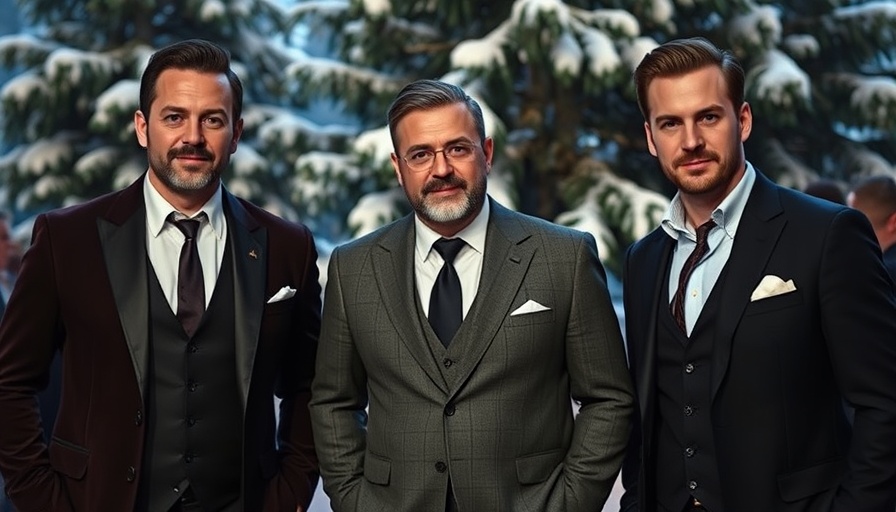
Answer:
[(556, 75), (554, 78), (67, 115)]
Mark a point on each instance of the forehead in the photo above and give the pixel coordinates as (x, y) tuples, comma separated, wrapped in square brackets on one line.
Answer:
[(435, 126), (184, 88), (687, 93)]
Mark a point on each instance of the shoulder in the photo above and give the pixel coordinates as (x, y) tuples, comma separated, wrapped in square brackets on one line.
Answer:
[(520, 225), (276, 225)]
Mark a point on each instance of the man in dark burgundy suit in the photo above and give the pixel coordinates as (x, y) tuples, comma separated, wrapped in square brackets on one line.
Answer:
[(164, 409)]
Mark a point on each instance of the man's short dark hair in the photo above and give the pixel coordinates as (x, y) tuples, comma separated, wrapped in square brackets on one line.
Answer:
[(195, 55), (681, 56), (427, 95)]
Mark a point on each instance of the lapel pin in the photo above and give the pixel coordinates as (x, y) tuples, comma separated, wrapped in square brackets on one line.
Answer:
[(253, 254)]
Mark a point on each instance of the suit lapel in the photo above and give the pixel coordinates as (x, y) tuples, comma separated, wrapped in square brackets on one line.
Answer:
[(122, 233), (393, 263), (248, 241), (653, 264), (759, 230), (504, 266)]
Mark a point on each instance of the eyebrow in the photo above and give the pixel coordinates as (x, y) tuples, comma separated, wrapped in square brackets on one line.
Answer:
[(713, 109), (203, 113), (417, 147)]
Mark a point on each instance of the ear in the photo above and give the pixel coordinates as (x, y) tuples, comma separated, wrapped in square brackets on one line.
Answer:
[(647, 133), (396, 166), (140, 128), (746, 121), (890, 225), (237, 133), (488, 147)]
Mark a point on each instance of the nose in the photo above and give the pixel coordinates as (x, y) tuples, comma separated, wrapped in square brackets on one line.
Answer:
[(693, 138), (193, 135), (440, 164)]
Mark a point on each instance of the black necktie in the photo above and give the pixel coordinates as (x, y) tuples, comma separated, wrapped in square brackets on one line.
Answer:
[(689, 265), (445, 304), (190, 283)]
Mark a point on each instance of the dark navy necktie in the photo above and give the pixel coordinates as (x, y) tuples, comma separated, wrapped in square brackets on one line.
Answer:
[(190, 282), (445, 303), (689, 265)]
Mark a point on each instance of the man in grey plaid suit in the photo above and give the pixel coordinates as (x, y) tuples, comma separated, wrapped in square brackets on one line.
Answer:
[(409, 416)]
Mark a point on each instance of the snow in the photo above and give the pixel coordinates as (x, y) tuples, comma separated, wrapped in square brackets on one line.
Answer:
[(375, 8), (336, 165), (246, 161), (633, 53), (875, 96), (527, 12), (49, 184), (68, 65), (287, 129), (777, 75), (603, 57), (212, 10), (20, 88), (567, 55), (869, 11), (97, 160), (662, 11), (486, 53), (761, 24), (802, 45), (376, 142), (614, 19), (122, 96), (375, 210), (46, 154), (320, 68)]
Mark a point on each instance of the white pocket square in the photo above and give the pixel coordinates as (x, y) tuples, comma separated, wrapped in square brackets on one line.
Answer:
[(529, 307), (770, 286), (282, 294)]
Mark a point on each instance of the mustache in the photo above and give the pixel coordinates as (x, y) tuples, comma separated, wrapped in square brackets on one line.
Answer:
[(440, 183), (692, 157), (190, 151)]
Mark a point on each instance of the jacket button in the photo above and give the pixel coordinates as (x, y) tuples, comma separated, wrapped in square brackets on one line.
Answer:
[(689, 368), (138, 419), (441, 467), (188, 458), (131, 474), (447, 362), (449, 410), (192, 385), (688, 452), (688, 410), (692, 485)]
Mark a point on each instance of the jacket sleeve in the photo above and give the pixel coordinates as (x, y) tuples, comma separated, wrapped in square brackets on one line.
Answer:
[(599, 383), (29, 338), (338, 406)]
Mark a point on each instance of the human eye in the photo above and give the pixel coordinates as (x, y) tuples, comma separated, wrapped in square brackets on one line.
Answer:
[(667, 124), (172, 118), (214, 121), (459, 150), (419, 156)]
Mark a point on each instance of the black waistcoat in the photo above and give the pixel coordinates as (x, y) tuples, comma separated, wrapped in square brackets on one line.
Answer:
[(194, 422), (686, 462)]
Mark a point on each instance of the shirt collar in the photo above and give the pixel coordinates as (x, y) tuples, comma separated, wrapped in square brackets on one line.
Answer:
[(158, 209), (727, 214), (473, 235)]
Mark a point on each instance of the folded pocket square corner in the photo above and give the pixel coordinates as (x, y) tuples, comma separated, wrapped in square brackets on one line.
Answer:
[(770, 286), (529, 307), (282, 294)]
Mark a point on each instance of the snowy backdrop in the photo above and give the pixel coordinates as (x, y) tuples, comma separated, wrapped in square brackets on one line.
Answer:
[(553, 76)]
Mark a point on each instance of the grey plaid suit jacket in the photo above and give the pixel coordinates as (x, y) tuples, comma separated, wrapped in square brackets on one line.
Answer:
[(397, 417)]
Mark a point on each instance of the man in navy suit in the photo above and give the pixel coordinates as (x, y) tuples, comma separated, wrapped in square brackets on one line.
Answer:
[(743, 354)]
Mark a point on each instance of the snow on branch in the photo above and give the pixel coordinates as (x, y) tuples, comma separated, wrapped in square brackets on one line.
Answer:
[(485, 53), (779, 81), (758, 29)]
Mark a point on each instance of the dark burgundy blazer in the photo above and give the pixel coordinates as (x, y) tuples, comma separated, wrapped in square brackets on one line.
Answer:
[(83, 291)]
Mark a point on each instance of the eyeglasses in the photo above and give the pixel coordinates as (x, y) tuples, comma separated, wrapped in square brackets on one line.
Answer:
[(421, 160)]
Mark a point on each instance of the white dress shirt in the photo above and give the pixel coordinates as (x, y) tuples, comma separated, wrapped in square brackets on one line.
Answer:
[(164, 241), (468, 263)]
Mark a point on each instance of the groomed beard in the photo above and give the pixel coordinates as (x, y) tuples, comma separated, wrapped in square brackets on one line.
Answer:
[(447, 211), (177, 182)]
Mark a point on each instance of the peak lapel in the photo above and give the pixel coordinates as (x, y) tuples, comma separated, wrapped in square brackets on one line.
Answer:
[(248, 241), (122, 234)]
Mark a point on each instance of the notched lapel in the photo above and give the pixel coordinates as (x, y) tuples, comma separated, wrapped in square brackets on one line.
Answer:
[(758, 233), (393, 269)]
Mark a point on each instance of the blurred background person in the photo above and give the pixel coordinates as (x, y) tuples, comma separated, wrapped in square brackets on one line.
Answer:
[(876, 198), (826, 189)]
